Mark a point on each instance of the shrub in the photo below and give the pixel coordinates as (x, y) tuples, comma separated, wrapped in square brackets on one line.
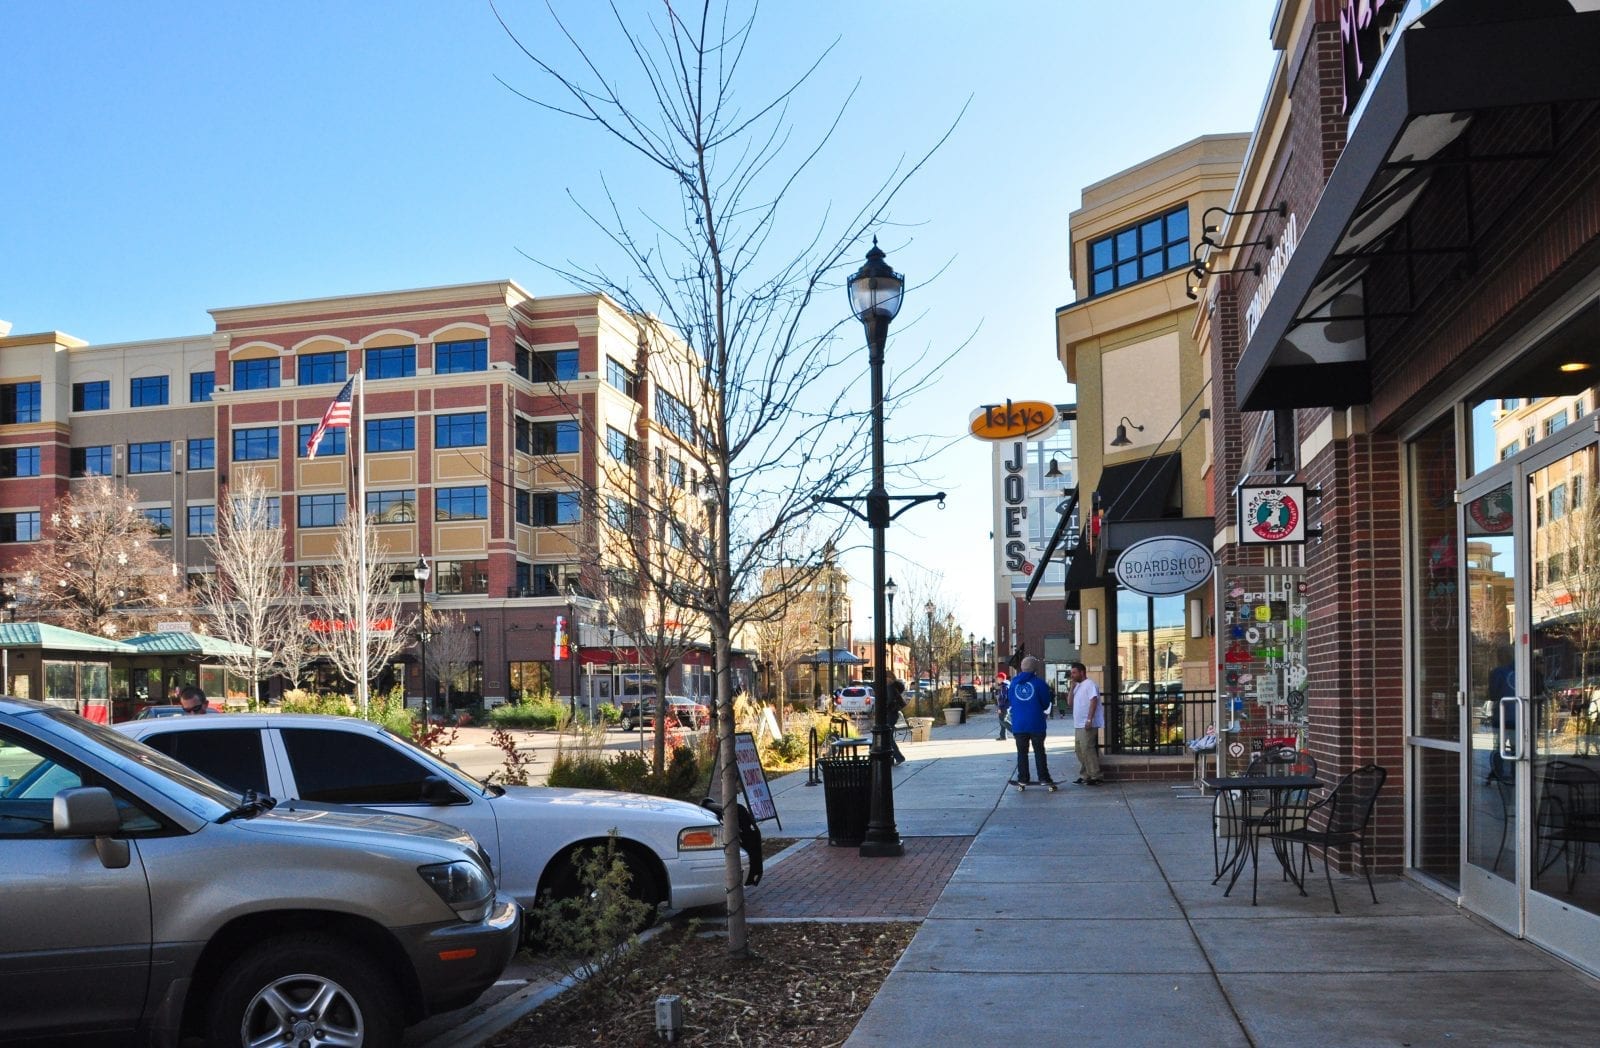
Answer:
[(543, 714), (580, 770), (630, 772), (589, 932), (608, 713)]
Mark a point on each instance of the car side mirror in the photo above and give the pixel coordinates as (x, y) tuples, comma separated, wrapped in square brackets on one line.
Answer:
[(436, 790), (90, 811)]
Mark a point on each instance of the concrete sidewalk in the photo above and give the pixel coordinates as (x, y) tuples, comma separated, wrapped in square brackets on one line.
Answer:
[(1089, 915)]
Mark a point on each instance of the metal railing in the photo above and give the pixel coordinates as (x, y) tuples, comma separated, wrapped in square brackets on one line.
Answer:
[(1159, 724)]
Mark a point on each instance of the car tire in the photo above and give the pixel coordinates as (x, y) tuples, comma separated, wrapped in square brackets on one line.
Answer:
[(564, 882), (264, 991)]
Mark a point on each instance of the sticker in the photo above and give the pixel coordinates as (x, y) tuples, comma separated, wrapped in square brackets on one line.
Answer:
[(1253, 635), (1297, 700), (1263, 613), (1236, 749)]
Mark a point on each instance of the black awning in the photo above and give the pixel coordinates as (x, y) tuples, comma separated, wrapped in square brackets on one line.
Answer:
[(1460, 61), (1082, 574), (1142, 490)]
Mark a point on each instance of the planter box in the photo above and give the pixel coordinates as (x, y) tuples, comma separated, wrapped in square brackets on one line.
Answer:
[(954, 715), (921, 728)]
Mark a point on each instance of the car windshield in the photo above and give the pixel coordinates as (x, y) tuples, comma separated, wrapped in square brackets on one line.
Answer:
[(177, 781)]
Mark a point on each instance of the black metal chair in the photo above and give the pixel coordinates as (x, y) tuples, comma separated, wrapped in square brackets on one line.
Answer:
[(1339, 820), (1568, 817)]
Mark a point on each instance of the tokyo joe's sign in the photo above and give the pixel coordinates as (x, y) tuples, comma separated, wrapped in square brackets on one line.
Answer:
[(1164, 566), (1272, 515), (1014, 420)]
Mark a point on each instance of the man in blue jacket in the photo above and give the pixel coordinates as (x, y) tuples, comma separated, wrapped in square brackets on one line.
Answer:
[(1030, 699)]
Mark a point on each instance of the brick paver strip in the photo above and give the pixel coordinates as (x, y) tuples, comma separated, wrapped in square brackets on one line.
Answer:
[(821, 881)]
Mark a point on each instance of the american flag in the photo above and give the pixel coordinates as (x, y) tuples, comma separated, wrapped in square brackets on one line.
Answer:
[(337, 415)]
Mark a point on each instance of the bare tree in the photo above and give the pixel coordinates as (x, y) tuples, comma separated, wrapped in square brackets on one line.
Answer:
[(345, 599), (97, 568), (452, 650), (249, 601), (768, 386)]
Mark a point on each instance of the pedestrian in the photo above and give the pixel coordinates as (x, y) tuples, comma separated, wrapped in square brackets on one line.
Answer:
[(897, 703), (1002, 705), (1030, 697), (193, 700), (1088, 717)]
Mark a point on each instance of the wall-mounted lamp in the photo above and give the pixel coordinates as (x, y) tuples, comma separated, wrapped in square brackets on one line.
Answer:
[(1091, 625), (1197, 617), (1054, 472), (1281, 208), (1121, 439)]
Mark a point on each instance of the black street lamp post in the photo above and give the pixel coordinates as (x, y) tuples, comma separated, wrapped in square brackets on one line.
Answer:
[(572, 651), (477, 638), (421, 573), (972, 650), (933, 671), (889, 590), (875, 295)]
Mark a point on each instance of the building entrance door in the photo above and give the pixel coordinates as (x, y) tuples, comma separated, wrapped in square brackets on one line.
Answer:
[(1531, 775)]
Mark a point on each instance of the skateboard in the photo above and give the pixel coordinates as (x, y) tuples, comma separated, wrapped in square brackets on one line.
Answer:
[(1022, 786)]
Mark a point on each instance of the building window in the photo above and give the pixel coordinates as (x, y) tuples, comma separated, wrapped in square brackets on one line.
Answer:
[(203, 453), (1558, 502), (556, 507), (468, 503), (255, 445), (1555, 422), (93, 461), (555, 365), (550, 580), (555, 438), (453, 358), (392, 362), (531, 680), (391, 434), (256, 374), (524, 507), (19, 527), (621, 447), (1509, 450), (1577, 491), (202, 520), (619, 514), (524, 578), (315, 369), (150, 391), (201, 386), (392, 507), (1139, 252), (622, 378), (332, 440), (320, 511), (274, 507), (675, 416), (19, 402), (19, 462), (1529, 437), (461, 576), (91, 396), (154, 456), (469, 429), (160, 518), (675, 473)]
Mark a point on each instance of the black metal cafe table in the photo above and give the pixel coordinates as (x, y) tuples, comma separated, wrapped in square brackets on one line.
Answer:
[(1238, 795)]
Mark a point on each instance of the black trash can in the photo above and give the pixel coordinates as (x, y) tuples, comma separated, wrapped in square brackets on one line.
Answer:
[(847, 793)]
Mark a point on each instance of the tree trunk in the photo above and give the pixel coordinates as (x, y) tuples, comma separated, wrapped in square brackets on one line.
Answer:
[(738, 934)]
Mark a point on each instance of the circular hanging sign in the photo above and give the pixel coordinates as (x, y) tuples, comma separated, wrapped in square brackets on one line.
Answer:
[(1164, 565)]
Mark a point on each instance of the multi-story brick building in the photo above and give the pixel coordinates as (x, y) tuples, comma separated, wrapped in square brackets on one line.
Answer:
[(498, 431)]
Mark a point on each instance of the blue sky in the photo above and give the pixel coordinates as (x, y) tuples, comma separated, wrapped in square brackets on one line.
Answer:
[(164, 159)]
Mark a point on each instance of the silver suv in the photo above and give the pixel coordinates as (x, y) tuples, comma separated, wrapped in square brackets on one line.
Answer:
[(139, 898)]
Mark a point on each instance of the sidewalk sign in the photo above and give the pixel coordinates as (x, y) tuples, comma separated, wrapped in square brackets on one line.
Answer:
[(752, 778)]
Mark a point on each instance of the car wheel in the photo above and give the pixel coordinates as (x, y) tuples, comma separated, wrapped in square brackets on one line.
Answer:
[(305, 990), (564, 882)]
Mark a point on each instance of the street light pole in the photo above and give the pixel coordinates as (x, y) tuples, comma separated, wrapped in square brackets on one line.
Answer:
[(972, 650), (421, 573), (889, 590), (875, 296), (933, 671)]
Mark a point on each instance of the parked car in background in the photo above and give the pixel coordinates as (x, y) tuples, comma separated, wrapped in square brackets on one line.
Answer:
[(533, 834), (145, 903), (152, 712), (853, 699), (686, 711)]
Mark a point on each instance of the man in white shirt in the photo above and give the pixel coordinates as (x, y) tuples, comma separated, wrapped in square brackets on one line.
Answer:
[(1088, 717)]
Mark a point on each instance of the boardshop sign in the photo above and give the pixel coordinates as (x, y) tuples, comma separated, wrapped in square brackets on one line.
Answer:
[(1014, 420), (1164, 566)]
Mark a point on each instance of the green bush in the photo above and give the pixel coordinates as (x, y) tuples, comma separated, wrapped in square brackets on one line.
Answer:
[(580, 771), (790, 746), (630, 772), (609, 714), (542, 714), (589, 933)]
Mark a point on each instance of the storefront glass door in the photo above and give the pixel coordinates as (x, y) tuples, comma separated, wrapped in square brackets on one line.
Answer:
[(1531, 651)]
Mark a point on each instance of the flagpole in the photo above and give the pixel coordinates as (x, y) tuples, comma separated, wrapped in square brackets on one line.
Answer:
[(358, 418)]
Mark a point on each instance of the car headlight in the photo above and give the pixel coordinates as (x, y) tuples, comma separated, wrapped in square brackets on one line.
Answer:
[(700, 838), (463, 886)]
